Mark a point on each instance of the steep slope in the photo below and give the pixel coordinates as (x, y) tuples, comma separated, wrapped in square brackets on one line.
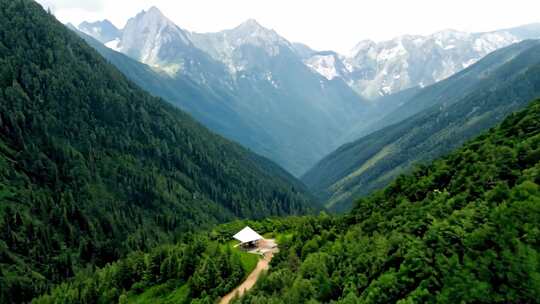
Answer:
[(461, 230), (480, 76), (384, 68), (305, 112), (302, 50), (197, 269), (92, 167), (209, 106), (153, 39), (232, 47), (458, 113), (329, 64), (261, 93), (383, 112)]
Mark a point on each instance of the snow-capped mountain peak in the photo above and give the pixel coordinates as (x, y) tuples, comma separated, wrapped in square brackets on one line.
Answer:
[(155, 12), (238, 47), (329, 64), (252, 32), (362, 45), (152, 38), (154, 23), (375, 69), (251, 24), (372, 69), (104, 30)]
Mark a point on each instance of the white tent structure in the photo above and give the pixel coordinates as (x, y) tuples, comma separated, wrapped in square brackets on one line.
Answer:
[(247, 235)]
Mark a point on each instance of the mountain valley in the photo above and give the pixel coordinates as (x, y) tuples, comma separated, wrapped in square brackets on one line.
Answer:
[(264, 97), (152, 164)]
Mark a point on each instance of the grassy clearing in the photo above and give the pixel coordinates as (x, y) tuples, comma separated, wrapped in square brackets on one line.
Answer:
[(249, 260)]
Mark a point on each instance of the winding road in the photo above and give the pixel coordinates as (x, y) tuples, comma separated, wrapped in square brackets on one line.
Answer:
[(250, 281)]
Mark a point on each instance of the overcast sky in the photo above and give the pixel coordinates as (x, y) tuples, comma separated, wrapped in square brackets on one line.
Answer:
[(322, 24)]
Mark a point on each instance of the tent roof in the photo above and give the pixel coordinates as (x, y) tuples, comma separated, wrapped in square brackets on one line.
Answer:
[(247, 235)]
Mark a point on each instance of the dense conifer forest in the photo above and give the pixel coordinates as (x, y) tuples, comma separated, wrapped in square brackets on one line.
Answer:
[(465, 229), (92, 167), (454, 110), (111, 195)]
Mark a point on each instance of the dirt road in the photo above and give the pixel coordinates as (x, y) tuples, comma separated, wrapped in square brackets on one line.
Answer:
[(262, 265)]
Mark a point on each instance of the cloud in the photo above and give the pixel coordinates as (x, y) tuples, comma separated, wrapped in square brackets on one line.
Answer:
[(321, 24), (86, 5)]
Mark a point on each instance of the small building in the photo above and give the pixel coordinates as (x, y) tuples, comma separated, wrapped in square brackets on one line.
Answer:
[(248, 237)]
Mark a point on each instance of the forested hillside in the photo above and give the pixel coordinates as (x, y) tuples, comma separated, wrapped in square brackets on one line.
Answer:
[(462, 107), (200, 268), (247, 84), (209, 105), (464, 229), (487, 73), (92, 167)]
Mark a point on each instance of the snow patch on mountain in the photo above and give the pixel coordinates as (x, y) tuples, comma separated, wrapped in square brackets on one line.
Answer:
[(372, 69), (104, 31), (324, 65), (152, 38), (330, 65), (270, 78), (375, 69), (233, 46), (114, 44)]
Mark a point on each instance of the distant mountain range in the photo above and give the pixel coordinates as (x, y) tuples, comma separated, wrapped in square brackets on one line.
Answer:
[(373, 69), (262, 94), (379, 69), (111, 195), (433, 121), (289, 102)]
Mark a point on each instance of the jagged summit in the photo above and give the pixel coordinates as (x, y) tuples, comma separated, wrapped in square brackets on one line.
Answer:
[(362, 45), (149, 33), (153, 11), (381, 68), (251, 24), (104, 22), (153, 14), (103, 30), (251, 30), (152, 19), (228, 46)]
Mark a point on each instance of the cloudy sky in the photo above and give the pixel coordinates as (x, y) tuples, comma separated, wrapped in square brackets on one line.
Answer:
[(322, 24)]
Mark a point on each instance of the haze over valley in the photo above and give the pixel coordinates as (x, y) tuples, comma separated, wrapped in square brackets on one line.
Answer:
[(284, 100), (151, 163)]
